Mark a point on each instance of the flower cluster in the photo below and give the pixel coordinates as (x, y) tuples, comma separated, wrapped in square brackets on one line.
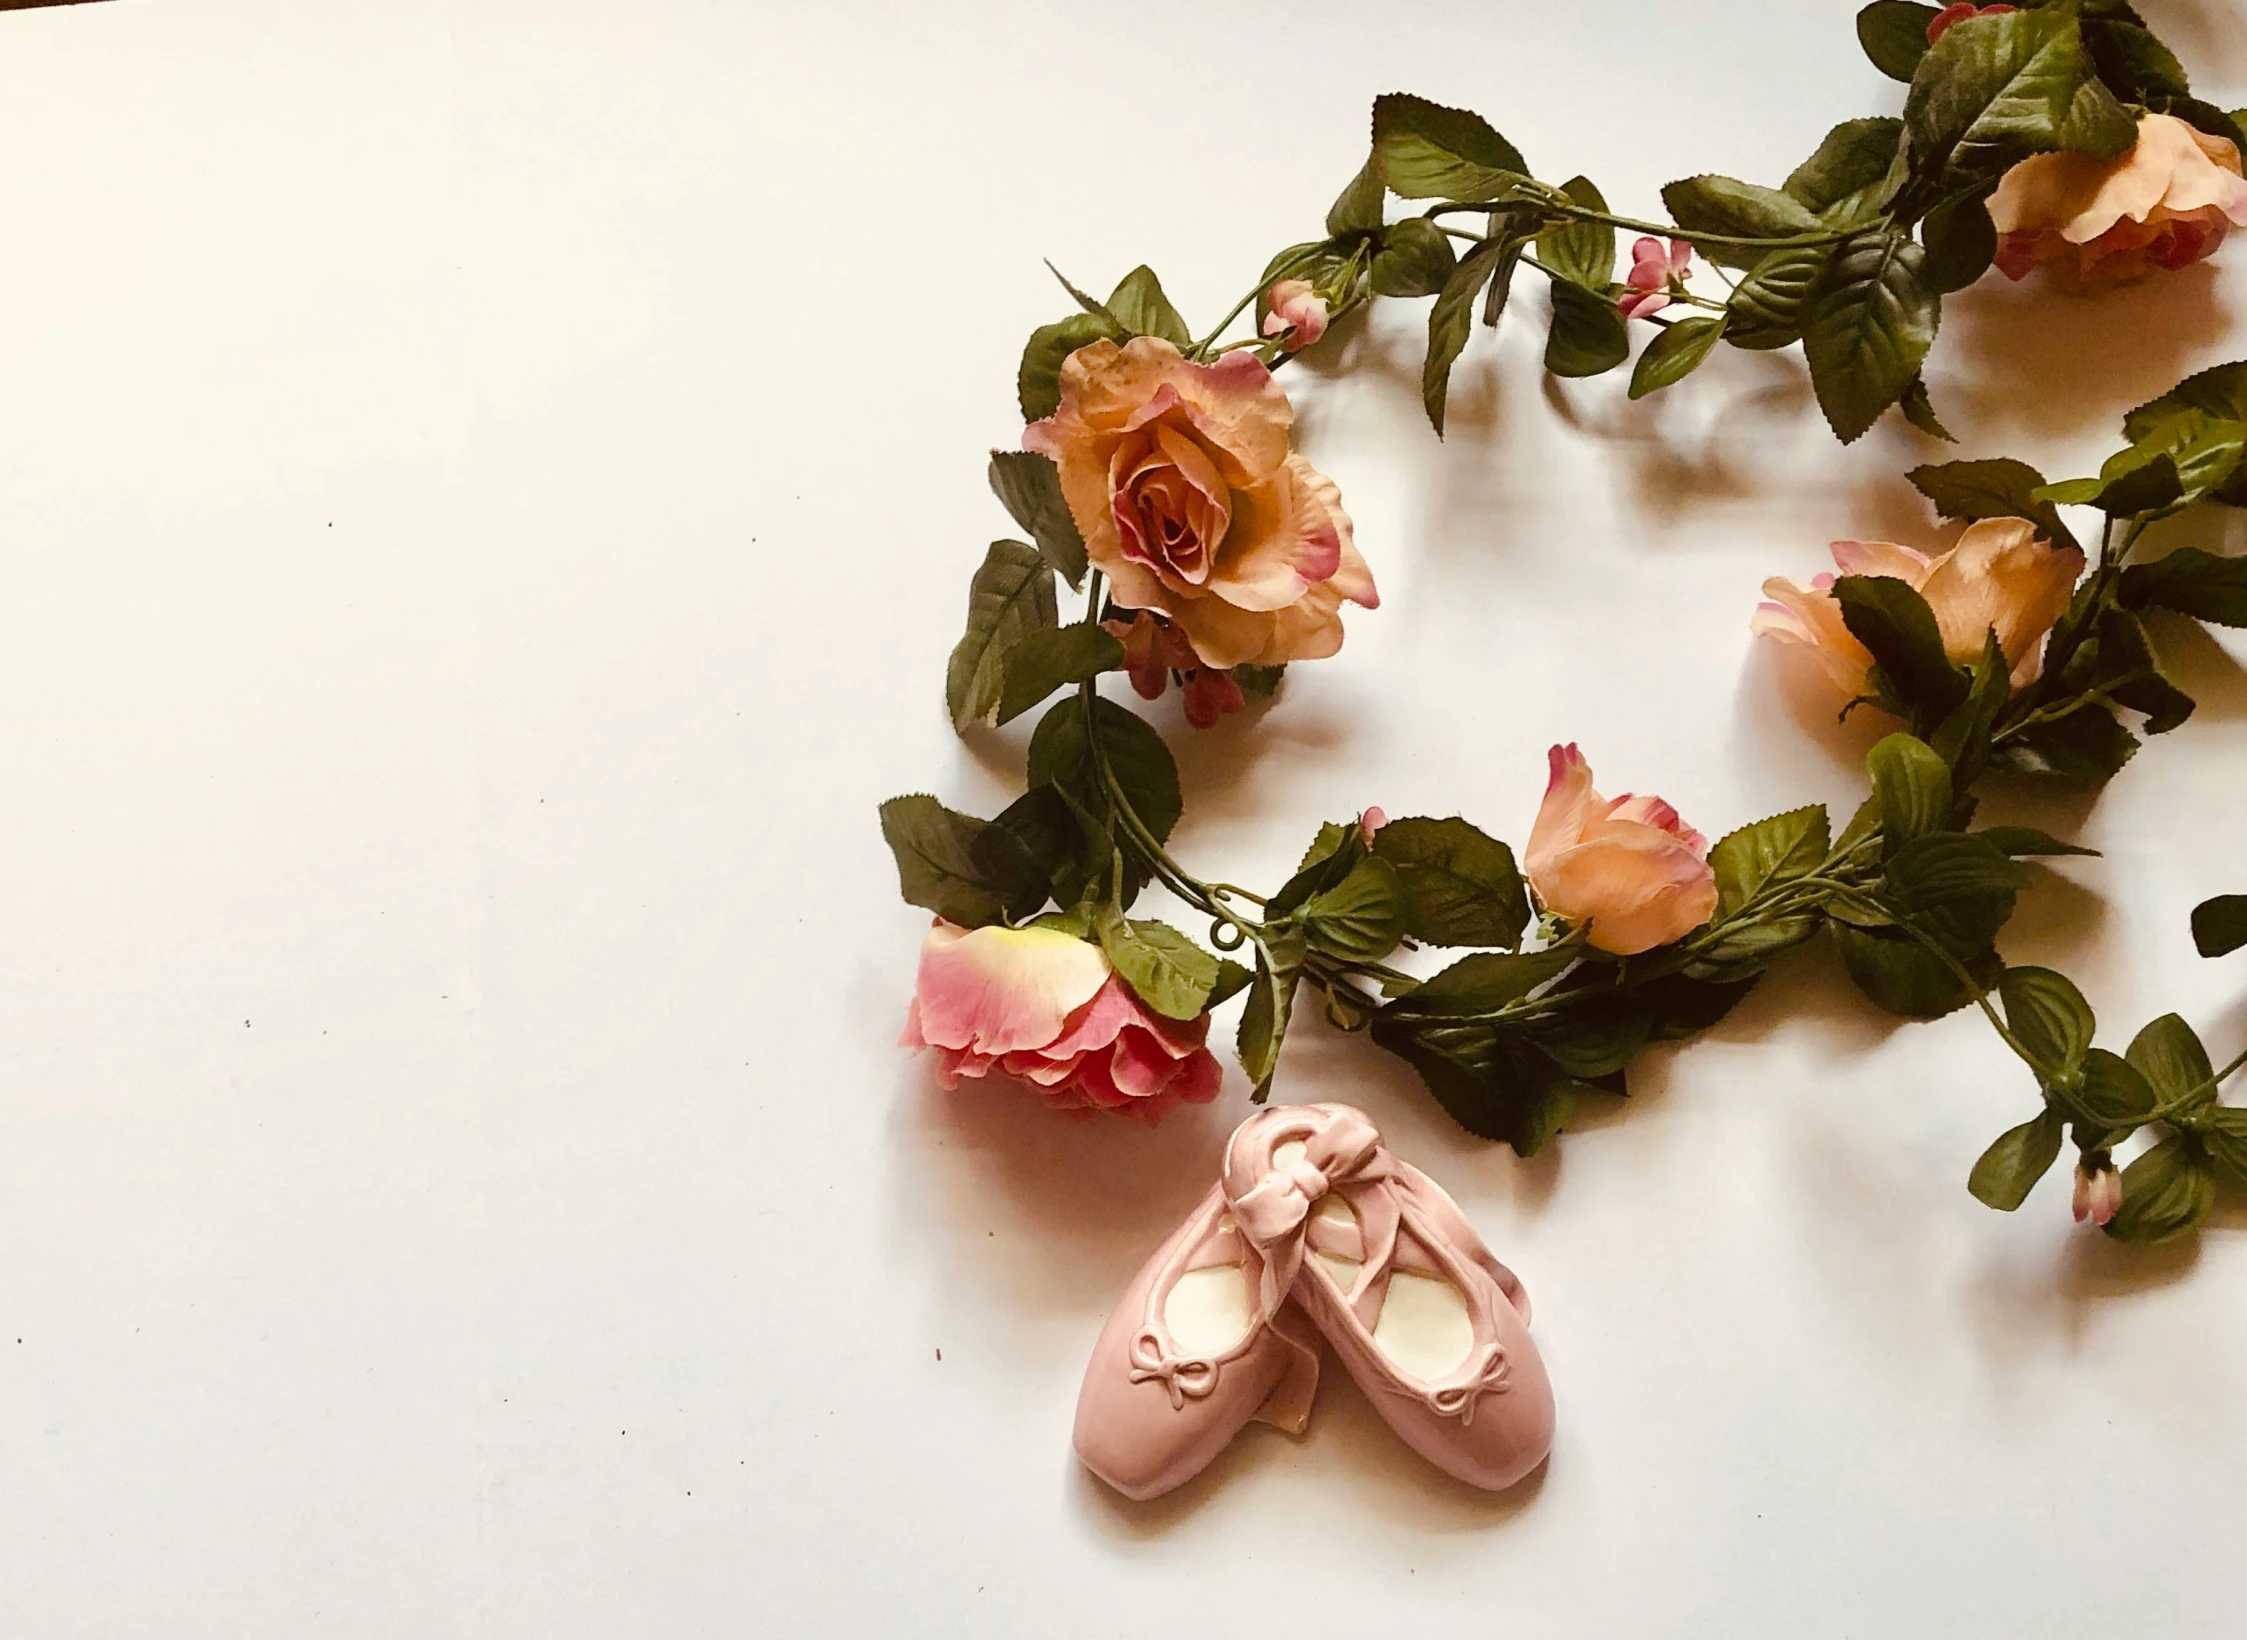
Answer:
[(1158, 482)]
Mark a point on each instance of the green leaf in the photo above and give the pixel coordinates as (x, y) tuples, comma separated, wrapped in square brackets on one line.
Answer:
[(1061, 755), (1028, 485), (1072, 848), (1141, 307), (1998, 488), (1038, 382), (1232, 980), (1357, 209), (2191, 582), (1728, 206), (967, 871), (1361, 918), (1461, 887), (1675, 353), (1759, 857), (1333, 854), (2219, 391), (2096, 123), (2225, 1139), (1165, 970), (1452, 320), (1854, 156), (1903, 976), (1955, 887), (1894, 35), (2009, 1169), (1919, 410), (1741, 952), (1871, 322), (1588, 334), (1483, 983), (2027, 840), (1260, 683), (1051, 658), (2219, 925), (2142, 489), (1271, 999), (2166, 1193), (1415, 259), (1427, 151), (1583, 253), (1962, 739), (1010, 597), (2127, 668), (1492, 1083), (1961, 241), (2168, 1053), (2049, 1015), (1768, 308), (2134, 63), (1991, 91), (2209, 452), (1595, 1038), (2113, 1093), (1892, 620), (2086, 746), (1684, 1006)]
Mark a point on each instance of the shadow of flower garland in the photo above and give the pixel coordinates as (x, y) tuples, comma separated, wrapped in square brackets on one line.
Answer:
[(1157, 480)]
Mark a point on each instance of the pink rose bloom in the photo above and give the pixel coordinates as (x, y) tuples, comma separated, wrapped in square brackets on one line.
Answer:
[(1370, 823), (2098, 1196), (1048, 1008), (1153, 649), (2097, 222), (1999, 576), (1295, 311), (1652, 269), (1940, 25), (1629, 868), (1181, 481)]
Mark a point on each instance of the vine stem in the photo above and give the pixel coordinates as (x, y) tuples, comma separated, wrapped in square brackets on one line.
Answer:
[(1565, 206)]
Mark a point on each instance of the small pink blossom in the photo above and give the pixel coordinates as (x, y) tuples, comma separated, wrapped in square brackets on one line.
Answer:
[(1297, 312), (1154, 649), (1048, 1008), (1940, 24), (2098, 1194), (1654, 268), (1371, 821)]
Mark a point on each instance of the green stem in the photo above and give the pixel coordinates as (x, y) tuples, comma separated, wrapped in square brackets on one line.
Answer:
[(1561, 204)]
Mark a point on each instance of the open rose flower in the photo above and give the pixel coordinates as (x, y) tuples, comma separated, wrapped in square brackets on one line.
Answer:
[(1627, 866), (1047, 1007), (2165, 203), (1653, 267), (1181, 481), (1154, 649), (2000, 576), (1295, 311)]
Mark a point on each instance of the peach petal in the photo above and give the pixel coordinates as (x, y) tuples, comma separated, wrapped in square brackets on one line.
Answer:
[(996, 990), (2001, 576), (1881, 558)]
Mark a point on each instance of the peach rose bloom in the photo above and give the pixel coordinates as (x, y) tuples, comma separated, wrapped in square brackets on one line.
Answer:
[(2000, 575), (1189, 500), (2165, 203), (1048, 1008), (1628, 866)]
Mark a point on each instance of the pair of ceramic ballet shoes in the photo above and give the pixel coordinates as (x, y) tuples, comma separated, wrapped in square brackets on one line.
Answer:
[(1314, 1230)]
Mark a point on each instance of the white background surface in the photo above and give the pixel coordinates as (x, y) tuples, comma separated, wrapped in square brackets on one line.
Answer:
[(485, 494)]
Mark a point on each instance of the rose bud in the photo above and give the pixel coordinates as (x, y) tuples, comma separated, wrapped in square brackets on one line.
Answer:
[(1180, 479), (1049, 1008), (2098, 1192), (1999, 575), (1296, 312), (1627, 867), (1653, 267), (1940, 24), (2097, 222)]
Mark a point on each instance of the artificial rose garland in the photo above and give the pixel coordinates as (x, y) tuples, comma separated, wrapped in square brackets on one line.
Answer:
[(1158, 480)]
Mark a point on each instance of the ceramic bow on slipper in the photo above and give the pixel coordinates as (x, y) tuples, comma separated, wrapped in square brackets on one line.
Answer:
[(1315, 1225)]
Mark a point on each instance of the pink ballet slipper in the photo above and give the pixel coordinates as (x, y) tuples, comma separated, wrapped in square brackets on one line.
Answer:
[(1432, 1327), (1188, 1356)]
